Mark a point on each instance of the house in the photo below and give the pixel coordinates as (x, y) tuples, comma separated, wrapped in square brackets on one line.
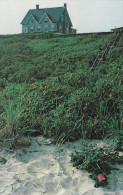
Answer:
[(117, 29), (55, 20)]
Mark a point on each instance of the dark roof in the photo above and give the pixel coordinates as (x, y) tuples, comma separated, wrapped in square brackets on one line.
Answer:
[(117, 28), (51, 18), (53, 13), (35, 18)]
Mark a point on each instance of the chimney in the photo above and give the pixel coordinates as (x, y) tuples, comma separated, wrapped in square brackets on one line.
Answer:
[(65, 5), (37, 6)]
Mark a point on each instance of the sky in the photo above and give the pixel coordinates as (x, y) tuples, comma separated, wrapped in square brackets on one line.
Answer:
[(86, 15)]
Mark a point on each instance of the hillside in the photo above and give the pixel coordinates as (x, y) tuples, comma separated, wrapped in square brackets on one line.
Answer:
[(48, 88)]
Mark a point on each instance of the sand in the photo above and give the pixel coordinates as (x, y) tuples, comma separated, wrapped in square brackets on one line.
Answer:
[(45, 169)]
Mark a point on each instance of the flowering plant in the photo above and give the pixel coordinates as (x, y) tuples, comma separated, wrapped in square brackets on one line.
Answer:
[(98, 162), (101, 177)]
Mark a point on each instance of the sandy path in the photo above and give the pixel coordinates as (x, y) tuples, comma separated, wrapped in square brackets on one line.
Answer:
[(44, 169)]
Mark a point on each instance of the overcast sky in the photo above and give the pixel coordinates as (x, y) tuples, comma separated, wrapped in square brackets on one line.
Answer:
[(86, 15)]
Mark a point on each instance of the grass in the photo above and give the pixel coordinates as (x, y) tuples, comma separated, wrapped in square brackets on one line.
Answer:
[(47, 86)]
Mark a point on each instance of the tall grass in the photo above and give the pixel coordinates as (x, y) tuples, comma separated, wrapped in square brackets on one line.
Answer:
[(47, 87)]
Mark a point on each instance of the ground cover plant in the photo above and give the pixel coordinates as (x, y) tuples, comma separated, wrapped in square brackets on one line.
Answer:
[(98, 161), (47, 86)]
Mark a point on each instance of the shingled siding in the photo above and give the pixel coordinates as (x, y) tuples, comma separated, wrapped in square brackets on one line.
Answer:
[(44, 26), (64, 25), (47, 20), (39, 28)]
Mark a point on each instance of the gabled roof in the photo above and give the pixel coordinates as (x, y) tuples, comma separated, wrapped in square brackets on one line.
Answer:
[(30, 17), (53, 13), (48, 17), (51, 18), (35, 18)]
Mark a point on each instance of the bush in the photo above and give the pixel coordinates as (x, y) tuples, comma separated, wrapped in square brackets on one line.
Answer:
[(98, 162)]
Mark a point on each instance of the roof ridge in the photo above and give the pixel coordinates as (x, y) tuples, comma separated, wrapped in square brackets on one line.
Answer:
[(47, 8), (54, 13)]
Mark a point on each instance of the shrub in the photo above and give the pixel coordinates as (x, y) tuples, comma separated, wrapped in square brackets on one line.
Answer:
[(98, 162)]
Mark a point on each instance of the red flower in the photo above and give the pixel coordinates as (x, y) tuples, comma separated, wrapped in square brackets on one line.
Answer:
[(101, 177)]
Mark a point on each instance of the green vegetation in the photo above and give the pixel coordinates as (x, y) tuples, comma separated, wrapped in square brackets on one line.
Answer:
[(47, 88), (98, 162)]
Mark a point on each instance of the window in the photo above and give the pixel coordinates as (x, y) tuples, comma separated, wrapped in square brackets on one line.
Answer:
[(42, 27), (46, 19), (62, 18), (32, 20), (26, 29), (32, 29), (67, 27), (52, 27), (60, 28), (39, 28)]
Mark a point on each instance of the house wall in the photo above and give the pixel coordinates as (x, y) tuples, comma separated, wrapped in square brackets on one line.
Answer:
[(43, 26), (47, 25), (60, 25), (73, 31), (31, 26), (67, 24), (64, 25)]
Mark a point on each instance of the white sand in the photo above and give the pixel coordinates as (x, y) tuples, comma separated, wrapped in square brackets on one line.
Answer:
[(45, 169)]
